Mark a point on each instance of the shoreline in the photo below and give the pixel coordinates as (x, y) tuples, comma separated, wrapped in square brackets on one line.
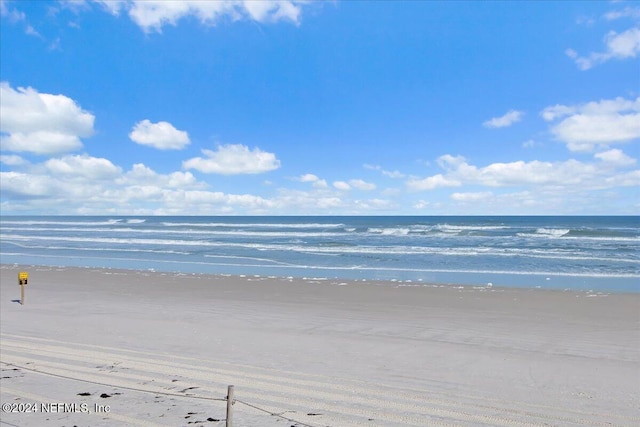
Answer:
[(581, 253), (395, 282), (391, 353)]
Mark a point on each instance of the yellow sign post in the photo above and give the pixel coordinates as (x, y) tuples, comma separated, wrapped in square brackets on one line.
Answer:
[(23, 277)]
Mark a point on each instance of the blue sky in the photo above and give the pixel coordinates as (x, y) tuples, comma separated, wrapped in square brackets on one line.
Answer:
[(319, 108)]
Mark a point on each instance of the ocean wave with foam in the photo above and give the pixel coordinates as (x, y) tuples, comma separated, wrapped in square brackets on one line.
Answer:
[(366, 247)]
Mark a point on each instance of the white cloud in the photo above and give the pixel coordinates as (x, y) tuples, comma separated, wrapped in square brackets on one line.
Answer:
[(472, 197), (83, 166), (358, 184), (309, 177), (535, 174), (421, 204), (261, 10), (317, 182), (511, 117), (585, 20), (615, 157), (29, 30), (587, 126), (15, 16), (391, 174), (448, 161), (41, 123), (431, 183), (161, 135), (374, 204), (341, 185), (627, 12), (557, 111), (112, 6), (12, 14), (618, 46), (527, 173), (233, 159), (362, 185), (87, 185), (144, 175), (12, 160), (152, 15), (23, 185)]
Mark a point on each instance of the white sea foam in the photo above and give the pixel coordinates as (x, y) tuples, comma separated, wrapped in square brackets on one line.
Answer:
[(580, 248), (565, 234), (339, 268), (251, 225), (48, 222), (127, 244), (129, 230), (393, 231), (100, 249), (447, 228), (552, 232), (272, 261)]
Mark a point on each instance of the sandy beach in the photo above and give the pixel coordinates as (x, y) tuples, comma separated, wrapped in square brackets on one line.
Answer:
[(159, 349)]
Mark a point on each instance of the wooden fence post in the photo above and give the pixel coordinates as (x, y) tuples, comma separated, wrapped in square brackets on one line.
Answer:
[(230, 403)]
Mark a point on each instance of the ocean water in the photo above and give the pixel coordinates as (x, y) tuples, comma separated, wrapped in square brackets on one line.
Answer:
[(581, 253)]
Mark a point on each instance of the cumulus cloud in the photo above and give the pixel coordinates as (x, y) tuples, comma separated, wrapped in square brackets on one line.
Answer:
[(112, 6), (623, 45), (587, 126), (537, 174), (85, 166), (141, 174), (358, 184), (431, 183), (472, 197), (313, 179), (233, 159), (152, 15), (27, 186), (87, 185), (374, 204), (362, 185), (511, 117), (616, 157), (41, 123), (161, 135), (308, 202), (341, 185), (449, 162), (12, 160), (308, 177)]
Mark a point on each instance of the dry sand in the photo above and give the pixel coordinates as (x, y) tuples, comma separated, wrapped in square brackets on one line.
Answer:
[(159, 347)]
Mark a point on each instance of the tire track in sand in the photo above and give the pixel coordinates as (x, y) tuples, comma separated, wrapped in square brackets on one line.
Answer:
[(341, 402)]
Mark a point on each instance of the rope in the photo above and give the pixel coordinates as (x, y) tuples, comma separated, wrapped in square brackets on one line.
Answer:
[(113, 385), (274, 414)]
